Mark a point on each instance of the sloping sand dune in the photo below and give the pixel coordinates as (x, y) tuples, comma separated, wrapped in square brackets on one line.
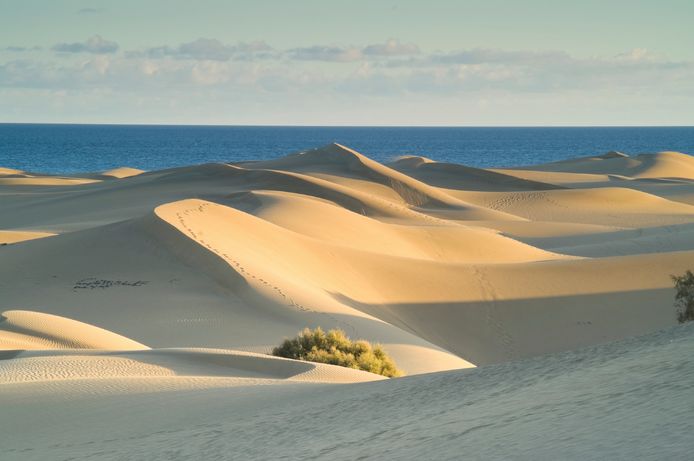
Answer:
[(10, 172), (453, 176), (35, 330), (342, 161), (183, 368), (329, 237), (30, 180), (610, 206), (122, 172), (45, 348), (7, 237), (147, 280), (339, 164), (659, 165), (441, 241), (212, 265), (12, 177), (72, 208)]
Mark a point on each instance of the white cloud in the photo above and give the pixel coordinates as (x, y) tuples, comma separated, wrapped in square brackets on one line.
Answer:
[(486, 56), (639, 54), (207, 49), (326, 53), (95, 44), (391, 47), (203, 48)]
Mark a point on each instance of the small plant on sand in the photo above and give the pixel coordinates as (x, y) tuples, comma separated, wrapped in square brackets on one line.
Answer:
[(335, 348), (684, 298)]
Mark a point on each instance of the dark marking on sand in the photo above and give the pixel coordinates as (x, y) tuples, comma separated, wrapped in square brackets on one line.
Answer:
[(93, 283)]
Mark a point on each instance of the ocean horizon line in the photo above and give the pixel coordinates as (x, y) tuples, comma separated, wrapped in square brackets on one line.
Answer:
[(333, 126)]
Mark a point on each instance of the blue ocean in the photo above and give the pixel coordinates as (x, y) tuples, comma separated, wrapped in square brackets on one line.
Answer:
[(80, 148)]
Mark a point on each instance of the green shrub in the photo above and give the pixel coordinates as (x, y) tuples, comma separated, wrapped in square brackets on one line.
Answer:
[(335, 348), (684, 296)]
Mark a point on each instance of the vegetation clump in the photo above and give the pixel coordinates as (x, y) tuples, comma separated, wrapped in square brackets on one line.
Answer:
[(684, 296), (335, 348)]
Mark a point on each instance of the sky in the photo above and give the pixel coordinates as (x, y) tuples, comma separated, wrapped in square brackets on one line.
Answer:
[(304, 62)]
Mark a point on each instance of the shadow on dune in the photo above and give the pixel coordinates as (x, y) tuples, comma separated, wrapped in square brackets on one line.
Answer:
[(496, 331), (9, 354), (461, 177)]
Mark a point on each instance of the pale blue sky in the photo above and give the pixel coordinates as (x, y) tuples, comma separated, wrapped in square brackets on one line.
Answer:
[(359, 62)]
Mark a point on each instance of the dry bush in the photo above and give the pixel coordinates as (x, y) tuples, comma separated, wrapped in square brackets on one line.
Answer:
[(335, 348), (684, 296)]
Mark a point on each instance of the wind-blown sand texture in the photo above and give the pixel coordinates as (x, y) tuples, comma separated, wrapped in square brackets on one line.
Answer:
[(125, 290)]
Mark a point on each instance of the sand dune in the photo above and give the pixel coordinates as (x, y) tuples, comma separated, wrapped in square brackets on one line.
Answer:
[(560, 178), (122, 172), (302, 241), (453, 176), (182, 368), (493, 412), (79, 208), (344, 162), (7, 237), (608, 206), (183, 294), (30, 180), (12, 177), (341, 165), (45, 348), (10, 172), (212, 265), (441, 241), (659, 165), (35, 330)]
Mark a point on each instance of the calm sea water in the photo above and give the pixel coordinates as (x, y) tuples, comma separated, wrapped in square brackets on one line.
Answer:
[(76, 148)]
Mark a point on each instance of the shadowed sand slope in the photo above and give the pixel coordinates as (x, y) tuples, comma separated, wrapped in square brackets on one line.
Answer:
[(453, 176)]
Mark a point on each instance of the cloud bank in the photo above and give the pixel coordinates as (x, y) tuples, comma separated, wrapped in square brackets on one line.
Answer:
[(380, 75)]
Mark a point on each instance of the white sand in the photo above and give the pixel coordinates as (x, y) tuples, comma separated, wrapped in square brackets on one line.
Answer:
[(630, 400), (210, 266)]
